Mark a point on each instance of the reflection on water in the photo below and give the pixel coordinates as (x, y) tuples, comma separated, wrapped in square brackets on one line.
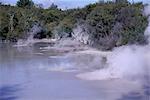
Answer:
[(24, 76), (9, 92), (133, 96)]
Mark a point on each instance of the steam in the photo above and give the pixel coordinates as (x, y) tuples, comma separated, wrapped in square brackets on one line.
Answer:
[(30, 35), (34, 30), (127, 62), (80, 34)]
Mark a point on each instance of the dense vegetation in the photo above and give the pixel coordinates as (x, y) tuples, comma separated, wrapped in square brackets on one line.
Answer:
[(108, 24)]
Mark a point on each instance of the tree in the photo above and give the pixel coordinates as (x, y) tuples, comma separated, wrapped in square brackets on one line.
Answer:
[(40, 6), (121, 1), (101, 1), (25, 3), (53, 6)]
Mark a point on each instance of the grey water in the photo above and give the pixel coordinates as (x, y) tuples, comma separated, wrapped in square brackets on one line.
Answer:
[(24, 75)]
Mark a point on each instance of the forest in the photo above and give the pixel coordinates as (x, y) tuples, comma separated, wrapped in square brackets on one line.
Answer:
[(103, 25)]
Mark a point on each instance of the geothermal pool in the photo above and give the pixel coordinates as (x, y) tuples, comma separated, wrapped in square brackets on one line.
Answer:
[(31, 73)]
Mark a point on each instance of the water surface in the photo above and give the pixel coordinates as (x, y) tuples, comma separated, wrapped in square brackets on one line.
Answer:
[(25, 75)]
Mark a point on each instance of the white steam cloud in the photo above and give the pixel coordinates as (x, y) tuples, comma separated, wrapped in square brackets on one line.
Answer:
[(127, 62)]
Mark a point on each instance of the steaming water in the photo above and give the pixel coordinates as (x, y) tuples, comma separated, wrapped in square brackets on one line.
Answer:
[(33, 73), (126, 62), (29, 73), (30, 35)]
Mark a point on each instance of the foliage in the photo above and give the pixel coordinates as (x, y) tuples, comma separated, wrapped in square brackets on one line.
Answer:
[(25, 3), (53, 6), (108, 24), (115, 24), (121, 1)]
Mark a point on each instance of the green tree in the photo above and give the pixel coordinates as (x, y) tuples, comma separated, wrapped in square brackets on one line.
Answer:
[(25, 3), (53, 6), (121, 1), (101, 1)]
